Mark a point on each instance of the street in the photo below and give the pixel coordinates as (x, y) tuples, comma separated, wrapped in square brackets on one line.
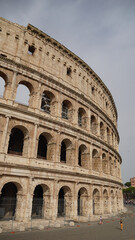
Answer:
[(109, 230)]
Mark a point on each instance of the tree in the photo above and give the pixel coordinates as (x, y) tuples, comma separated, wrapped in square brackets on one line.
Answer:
[(128, 184)]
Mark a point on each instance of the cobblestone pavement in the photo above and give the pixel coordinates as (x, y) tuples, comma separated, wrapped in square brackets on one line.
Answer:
[(109, 230)]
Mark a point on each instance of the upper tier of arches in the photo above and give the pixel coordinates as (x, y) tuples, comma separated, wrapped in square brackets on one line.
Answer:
[(37, 50)]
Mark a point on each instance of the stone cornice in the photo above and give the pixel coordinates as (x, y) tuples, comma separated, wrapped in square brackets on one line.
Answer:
[(41, 75), (58, 171)]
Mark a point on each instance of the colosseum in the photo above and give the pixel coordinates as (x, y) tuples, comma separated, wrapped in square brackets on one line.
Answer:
[(58, 150)]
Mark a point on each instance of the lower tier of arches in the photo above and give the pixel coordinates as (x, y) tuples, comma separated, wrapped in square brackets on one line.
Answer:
[(23, 199)]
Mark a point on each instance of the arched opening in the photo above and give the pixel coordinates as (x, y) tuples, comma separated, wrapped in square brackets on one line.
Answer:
[(63, 152), (82, 118), (2, 87), (82, 202), (8, 201), (42, 147), (93, 124), (66, 109), (23, 93), (105, 202), (61, 203), (95, 161), (66, 152), (112, 201), (96, 202), (37, 204), (46, 146), (82, 156), (47, 102), (64, 202), (108, 135), (104, 163), (16, 142), (102, 130)]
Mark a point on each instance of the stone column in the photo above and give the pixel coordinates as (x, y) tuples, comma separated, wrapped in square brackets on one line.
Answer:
[(34, 146), (90, 159), (90, 211), (20, 207), (28, 207), (58, 148), (101, 201), (75, 202), (109, 200), (4, 137), (54, 200)]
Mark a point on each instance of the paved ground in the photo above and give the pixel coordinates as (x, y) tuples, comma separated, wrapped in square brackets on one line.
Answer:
[(109, 230)]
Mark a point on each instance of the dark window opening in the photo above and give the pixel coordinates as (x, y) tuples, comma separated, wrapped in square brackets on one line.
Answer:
[(42, 147), (79, 157), (79, 119), (16, 142), (37, 204), (61, 203), (79, 204), (45, 104), (63, 152), (93, 90), (8, 201), (31, 50), (64, 111), (69, 71)]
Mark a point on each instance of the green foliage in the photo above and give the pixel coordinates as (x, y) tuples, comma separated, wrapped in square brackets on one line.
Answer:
[(129, 190), (128, 184)]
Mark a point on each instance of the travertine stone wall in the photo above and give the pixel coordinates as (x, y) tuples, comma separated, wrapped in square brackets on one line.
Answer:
[(31, 58)]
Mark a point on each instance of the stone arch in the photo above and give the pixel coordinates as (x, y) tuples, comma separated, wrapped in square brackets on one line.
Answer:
[(24, 93), (104, 163), (105, 201), (82, 118), (66, 151), (18, 141), (3, 83), (45, 146), (82, 202), (48, 102), (108, 135), (93, 124), (9, 200), (95, 160), (96, 202), (83, 156), (67, 110), (41, 202), (102, 130), (112, 201), (64, 202)]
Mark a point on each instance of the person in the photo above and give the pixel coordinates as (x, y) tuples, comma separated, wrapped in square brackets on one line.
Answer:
[(121, 224), (101, 220)]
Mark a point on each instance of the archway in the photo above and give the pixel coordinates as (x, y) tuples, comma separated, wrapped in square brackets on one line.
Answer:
[(95, 161), (16, 141), (82, 156), (66, 152), (96, 202), (105, 201), (23, 93), (47, 102), (104, 163), (93, 124), (64, 202), (8, 201), (37, 204), (82, 202), (2, 87)]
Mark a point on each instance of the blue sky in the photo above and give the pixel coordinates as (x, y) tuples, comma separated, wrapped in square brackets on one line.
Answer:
[(102, 33)]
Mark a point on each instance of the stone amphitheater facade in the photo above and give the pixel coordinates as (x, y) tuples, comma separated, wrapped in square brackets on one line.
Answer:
[(58, 154)]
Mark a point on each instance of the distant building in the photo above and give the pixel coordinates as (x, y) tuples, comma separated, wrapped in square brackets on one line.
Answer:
[(132, 180)]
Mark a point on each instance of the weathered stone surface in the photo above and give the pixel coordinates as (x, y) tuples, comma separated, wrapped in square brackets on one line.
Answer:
[(59, 153)]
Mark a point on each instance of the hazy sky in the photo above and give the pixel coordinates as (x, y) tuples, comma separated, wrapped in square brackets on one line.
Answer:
[(102, 33)]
